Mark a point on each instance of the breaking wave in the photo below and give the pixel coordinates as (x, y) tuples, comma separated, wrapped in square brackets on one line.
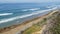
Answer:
[(5, 14), (33, 9)]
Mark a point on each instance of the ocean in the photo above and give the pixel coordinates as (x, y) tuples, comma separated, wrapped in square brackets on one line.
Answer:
[(17, 13)]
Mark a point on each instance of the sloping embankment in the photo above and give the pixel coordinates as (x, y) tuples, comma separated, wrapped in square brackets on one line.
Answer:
[(52, 20), (52, 25)]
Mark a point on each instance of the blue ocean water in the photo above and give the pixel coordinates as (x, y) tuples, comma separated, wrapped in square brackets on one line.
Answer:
[(15, 13)]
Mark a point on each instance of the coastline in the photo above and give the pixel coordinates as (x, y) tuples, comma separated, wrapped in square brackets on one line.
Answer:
[(8, 22), (21, 27), (15, 27)]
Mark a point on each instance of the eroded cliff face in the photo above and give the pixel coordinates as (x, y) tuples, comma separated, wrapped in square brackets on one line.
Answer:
[(53, 24)]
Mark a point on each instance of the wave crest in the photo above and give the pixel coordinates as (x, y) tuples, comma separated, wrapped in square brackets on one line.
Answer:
[(5, 14), (33, 9)]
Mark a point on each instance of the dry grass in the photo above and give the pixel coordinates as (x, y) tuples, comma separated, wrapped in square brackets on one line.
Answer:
[(35, 27)]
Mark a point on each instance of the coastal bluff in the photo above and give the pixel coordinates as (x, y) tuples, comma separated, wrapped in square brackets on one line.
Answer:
[(52, 25)]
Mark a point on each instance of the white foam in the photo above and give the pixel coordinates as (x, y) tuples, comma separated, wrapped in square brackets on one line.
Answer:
[(5, 14), (51, 6), (25, 10), (34, 9), (31, 9), (48, 7), (23, 16)]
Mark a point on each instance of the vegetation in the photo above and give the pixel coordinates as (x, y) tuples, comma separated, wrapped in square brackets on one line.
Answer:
[(35, 27), (56, 27)]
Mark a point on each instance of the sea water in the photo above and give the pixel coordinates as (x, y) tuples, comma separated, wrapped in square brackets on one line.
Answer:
[(17, 13)]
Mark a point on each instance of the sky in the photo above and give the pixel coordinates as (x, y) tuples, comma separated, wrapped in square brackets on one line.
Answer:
[(27, 1)]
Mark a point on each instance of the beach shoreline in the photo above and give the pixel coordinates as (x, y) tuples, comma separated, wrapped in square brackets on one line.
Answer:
[(21, 27), (6, 30)]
